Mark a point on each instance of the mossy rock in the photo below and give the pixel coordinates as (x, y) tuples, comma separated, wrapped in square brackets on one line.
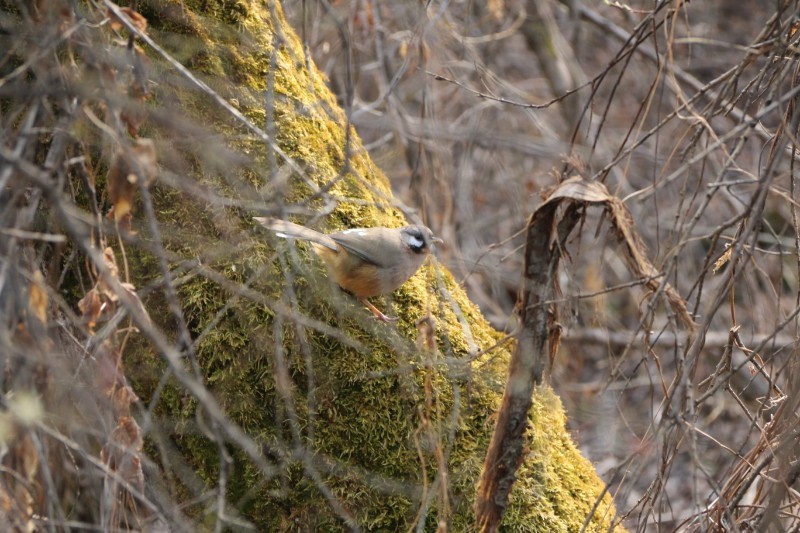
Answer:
[(368, 424)]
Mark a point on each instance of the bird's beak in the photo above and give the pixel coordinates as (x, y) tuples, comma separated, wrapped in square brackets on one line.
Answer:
[(435, 241)]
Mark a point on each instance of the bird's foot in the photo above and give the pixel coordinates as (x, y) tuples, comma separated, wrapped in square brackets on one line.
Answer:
[(378, 315)]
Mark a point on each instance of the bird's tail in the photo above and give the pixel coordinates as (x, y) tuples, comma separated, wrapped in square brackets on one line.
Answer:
[(289, 230)]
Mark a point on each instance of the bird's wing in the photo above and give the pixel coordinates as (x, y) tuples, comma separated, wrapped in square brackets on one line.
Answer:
[(364, 243), (289, 230)]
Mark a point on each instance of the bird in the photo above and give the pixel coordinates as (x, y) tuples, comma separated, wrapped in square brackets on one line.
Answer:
[(365, 262)]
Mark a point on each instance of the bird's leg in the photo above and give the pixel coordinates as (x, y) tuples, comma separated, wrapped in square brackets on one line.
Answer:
[(375, 311)]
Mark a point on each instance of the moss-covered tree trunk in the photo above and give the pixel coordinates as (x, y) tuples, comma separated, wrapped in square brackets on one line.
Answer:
[(344, 422)]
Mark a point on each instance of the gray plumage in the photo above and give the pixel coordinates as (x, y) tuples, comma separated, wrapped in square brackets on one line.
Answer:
[(364, 261)]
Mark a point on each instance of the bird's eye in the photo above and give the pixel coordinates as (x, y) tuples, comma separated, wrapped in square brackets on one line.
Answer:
[(415, 242), (415, 239)]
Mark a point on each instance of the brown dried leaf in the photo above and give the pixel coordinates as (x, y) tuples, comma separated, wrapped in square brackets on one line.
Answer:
[(16, 512), (145, 152), (108, 297), (107, 372), (21, 461), (133, 116), (120, 188), (594, 192), (134, 112), (123, 398), (37, 298), (124, 222), (136, 19), (121, 452), (91, 307), (640, 266), (130, 290), (110, 378), (25, 505), (122, 455), (102, 287), (111, 261), (26, 457), (128, 169), (496, 9), (723, 259)]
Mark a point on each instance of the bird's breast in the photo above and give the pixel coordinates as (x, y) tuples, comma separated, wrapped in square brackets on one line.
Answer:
[(365, 280)]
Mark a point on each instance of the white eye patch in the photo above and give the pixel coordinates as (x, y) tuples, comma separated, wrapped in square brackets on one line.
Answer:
[(415, 242)]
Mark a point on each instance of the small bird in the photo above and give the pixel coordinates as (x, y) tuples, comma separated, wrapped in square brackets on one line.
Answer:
[(365, 262)]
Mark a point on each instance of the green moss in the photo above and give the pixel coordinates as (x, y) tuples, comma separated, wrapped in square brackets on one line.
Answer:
[(379, 413), (554, 477)]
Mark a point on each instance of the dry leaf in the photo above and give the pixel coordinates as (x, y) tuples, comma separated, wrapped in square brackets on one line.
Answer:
[(37, 298), (723, 259), (123, 398), (128, 169), (111, 261), (16, 512), (26, 457), (134, 112), (594, 192), (145, 152), (103, 299), (496, 9), (91, 307), (103, 289), (122, 455), (130, 290), (120, 188), (107, 372), (136, 19), (133, 115), (121, 452), (124, 222)]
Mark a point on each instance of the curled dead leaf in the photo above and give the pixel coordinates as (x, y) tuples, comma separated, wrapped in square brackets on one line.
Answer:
[(547, 233)]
